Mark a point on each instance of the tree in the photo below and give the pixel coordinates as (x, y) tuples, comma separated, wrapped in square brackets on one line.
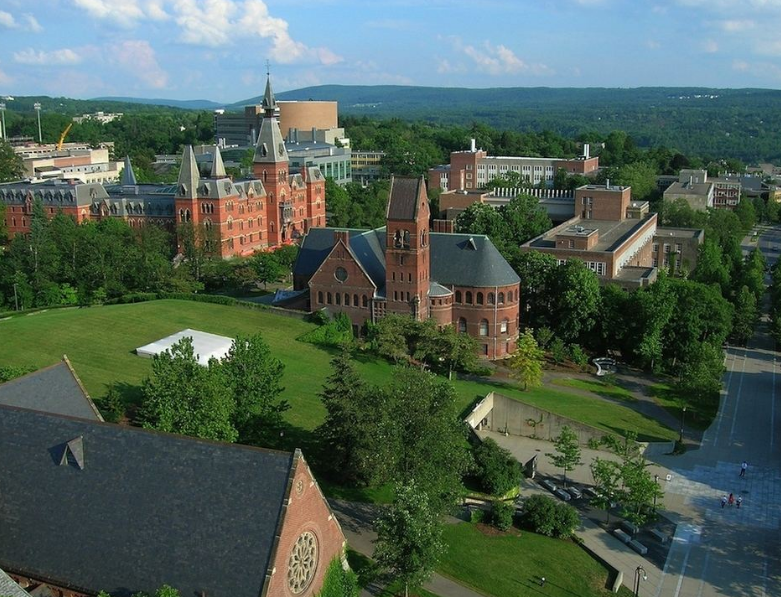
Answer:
[(498, 470), (746, 314), (525, 218), (446, 347), (575, 298), (254, 376), (409, 537), (747, 214), (344, 434), (389, 336), (11, 165), (711, 268), (338, 201), (640, 490), (606, 475), (525, 363), (267, 268), (641, 176), (537, 270), (700, 375), (567, 455), (184, 397)]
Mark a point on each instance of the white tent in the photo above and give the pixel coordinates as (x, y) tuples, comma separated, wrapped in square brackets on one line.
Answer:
[(206, 345)]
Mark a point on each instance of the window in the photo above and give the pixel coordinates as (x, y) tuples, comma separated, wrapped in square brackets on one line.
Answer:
[(320, 296), (458, 292), (365, 301), (571, 244), (655, 248), (462, 325), (355, 300), (329, 298), (503, 327), (468, 297), (479, 298), (483, 327), (485, 349), (501, 298), (666, 248), (346, 300), (338, 298), (600, 268), (678, 247), (561, 261), (491, 298)]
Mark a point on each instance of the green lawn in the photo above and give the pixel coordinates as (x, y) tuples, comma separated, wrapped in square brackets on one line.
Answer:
[(510, 566), (666, 396), (100, 342), (367, 573), (598, 387)]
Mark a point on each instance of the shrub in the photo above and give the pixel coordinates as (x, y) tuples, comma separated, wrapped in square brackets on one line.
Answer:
[(476, 515), (545, 516), (111, 406), (497, 470), (339, 582), (502, 515), (558, 351), (334, 333), (578, 356), (543, 336)]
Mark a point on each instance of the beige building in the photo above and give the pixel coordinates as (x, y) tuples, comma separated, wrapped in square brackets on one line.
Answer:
[(74, 161), (676, 249)]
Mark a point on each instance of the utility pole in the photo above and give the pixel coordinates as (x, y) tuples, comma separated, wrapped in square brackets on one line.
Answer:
[(37, 106)]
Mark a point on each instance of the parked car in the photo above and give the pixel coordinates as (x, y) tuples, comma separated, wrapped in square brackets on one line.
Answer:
[(590, 492), (574, 492), (562, 495), (549, 485)]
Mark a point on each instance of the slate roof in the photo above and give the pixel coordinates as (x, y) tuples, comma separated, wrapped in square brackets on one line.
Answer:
[(147, 509), (55, 389), (454, 259), (403, 198)]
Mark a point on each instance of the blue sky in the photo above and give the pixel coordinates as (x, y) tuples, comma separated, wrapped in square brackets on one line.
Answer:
[(217, 49)]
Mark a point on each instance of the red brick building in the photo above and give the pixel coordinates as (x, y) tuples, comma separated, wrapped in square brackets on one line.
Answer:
[(404, 268), (237, 218)]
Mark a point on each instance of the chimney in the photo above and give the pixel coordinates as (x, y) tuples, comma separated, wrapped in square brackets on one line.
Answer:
[(473, 146), (586, 151), (343, 235)]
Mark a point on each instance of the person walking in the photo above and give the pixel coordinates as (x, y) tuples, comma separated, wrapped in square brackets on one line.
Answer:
[(743, 468), (723, 500), (739, 501), (731, 500)]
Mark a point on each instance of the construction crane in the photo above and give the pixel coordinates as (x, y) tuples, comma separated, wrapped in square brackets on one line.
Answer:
[(62, 137)]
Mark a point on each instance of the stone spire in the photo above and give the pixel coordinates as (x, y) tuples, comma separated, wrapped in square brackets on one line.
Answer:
[(187, 186), (270, 148), (218, 167), (128, 176)]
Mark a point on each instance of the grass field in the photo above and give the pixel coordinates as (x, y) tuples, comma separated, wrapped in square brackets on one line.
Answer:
[(600, 388), (511, 566), (100, 342), (666, 396)]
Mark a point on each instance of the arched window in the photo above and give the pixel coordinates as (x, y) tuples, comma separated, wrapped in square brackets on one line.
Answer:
[(328, 298), (491, 298), (346, 300), (338, 298), (320, 297), (355, 300), (483, 327), (230, 223), (468, 297), (364, 301), (458, 296), (462, 325), (505, 323), (501, 298), (479, 298)]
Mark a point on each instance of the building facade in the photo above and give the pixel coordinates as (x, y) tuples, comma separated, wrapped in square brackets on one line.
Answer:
[(406, 269), (474, 169), (236, 218)]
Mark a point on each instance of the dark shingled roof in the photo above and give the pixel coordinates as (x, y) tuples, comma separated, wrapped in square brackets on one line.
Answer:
[(55, 389), (456, 259), (147, 509), (403, 198)]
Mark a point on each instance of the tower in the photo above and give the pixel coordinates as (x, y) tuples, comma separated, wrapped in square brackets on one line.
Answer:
[(270, 166), (186, 198), (407, 263)]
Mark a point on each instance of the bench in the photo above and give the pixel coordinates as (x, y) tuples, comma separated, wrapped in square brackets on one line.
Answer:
[(659, 535), (629, 527), (622, 536), (638, 547)]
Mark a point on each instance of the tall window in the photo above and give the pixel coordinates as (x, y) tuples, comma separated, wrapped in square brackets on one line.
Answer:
[(462, 325), (504, 324), (458, 296), (479, 298), (483, 327), (491, 298), (468, 297), (320, 296)]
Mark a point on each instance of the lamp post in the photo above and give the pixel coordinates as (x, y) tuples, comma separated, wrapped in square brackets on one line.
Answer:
[(3, 132), (639, 573), (37, 106), (683, 414), (656, 480)]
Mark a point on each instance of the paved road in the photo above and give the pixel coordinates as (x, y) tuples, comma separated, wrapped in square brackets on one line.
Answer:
[(729, 551)]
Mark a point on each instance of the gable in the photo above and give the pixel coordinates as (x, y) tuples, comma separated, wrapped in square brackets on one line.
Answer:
[(341, 257)]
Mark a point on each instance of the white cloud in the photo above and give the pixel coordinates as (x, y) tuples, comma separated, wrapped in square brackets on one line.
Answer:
[(43, 58), (32, 23), (710, 46), (498, 60), (7, 20), (736, 25), (214, 23), (138, 58)]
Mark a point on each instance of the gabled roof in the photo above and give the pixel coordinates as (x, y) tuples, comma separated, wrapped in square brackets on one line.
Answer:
[(270, 147), (189, 175), (128, 176), (56, 389), (403, 198), (218, 166), (146, 509)]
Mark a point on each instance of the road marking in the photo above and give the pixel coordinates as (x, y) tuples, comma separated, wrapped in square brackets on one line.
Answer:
[(704, 571), (723, 406), (683, 571), (737, 399)]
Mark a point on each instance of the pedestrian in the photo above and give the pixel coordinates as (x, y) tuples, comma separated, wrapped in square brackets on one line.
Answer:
[(740, 501), (743, 468), (731, 500), (723, 500)]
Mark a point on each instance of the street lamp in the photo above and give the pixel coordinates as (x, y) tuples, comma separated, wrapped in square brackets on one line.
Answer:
[(3, 132), (37, 106), (639, 573), (656, 480), (683, 414)]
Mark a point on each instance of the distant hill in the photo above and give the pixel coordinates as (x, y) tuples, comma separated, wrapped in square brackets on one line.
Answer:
[(199, 104)]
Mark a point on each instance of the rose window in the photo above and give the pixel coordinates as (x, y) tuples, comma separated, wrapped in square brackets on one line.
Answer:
[(302, 563)]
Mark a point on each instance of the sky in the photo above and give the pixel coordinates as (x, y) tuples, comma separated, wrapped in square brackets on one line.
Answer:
[(218, 49)]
